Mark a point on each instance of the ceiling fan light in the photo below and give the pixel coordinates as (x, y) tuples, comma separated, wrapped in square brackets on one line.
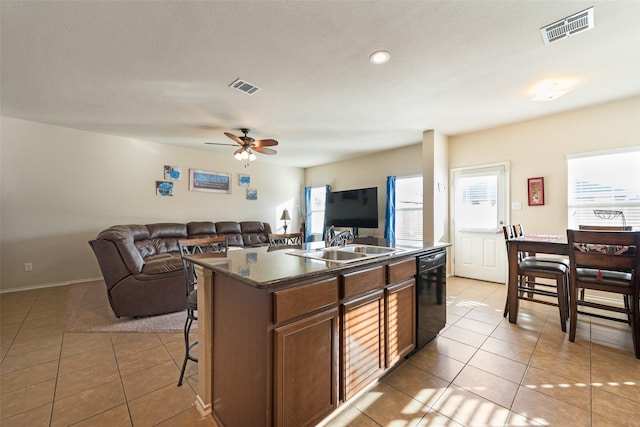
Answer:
[(237, 155), (252, 157), (245, 155)]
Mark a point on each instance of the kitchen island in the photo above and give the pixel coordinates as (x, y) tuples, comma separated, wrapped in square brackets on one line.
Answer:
[(284, 340)]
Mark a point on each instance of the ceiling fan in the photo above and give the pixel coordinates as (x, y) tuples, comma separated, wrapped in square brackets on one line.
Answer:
[(248, 145)]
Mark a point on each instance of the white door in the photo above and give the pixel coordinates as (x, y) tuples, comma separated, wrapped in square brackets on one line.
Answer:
[(480, 201)]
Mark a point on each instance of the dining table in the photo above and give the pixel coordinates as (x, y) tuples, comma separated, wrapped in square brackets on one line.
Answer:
[(531, 244)]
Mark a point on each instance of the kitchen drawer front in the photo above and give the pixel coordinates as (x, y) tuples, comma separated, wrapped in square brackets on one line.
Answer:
[(295, 302), (401, 270), (361, 282)]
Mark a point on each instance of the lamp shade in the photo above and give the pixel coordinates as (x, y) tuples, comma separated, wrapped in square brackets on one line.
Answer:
[(285, 216)]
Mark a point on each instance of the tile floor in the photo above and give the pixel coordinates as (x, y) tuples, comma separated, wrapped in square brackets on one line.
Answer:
[(480, 371)]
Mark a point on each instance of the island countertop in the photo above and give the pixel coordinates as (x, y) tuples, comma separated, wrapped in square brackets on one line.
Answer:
[(263, 267)]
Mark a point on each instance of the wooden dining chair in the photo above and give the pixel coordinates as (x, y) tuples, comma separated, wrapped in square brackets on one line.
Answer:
[(606, 227), (605, 261), (285, 240), (195, 248), (530, 288)]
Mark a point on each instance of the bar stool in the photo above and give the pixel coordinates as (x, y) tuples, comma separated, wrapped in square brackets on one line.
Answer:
[(195, 248)]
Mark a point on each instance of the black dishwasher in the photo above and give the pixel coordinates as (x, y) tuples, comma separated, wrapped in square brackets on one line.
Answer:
[(431, 296)]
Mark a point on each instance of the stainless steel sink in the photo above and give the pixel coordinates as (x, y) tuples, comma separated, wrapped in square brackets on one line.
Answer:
[(367, 249), (344, 254), (334, 255)]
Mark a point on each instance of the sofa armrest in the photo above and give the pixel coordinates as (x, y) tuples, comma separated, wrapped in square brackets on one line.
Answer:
[(111, 264)]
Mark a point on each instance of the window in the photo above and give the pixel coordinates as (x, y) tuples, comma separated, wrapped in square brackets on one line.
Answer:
[(318, 196), (604, 188), (409, 208)]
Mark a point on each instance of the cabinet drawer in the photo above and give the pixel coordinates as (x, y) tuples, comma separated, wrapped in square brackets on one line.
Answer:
[(360, 282), (400, 270), (294, 302)]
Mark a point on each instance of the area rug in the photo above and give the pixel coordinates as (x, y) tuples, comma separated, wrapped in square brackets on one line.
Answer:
[(88, 310)]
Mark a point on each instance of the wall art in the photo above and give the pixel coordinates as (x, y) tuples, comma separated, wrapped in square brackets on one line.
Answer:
[(213, 182), (536, 191), (172, 173), (252, 194), (164, 188), (244, 180)]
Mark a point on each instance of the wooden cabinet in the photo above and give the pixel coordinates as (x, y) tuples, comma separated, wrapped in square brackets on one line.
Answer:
[(401, 320), (400, 296), (362, 342), (306, 370)]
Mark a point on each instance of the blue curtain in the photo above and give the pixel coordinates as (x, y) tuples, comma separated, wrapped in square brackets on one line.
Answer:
[(307, 212), (390, 210)]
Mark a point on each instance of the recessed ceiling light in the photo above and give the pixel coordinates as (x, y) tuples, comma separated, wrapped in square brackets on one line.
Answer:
[(379, 57)]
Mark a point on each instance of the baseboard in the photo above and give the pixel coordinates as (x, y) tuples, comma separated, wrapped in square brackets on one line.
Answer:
[(49, 285), (203, 409)]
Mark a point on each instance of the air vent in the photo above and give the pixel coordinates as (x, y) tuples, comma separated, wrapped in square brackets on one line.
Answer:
[(569, 26), (244, 86)]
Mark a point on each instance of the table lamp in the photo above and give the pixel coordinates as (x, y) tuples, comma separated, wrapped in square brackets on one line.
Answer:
[(285, 217)]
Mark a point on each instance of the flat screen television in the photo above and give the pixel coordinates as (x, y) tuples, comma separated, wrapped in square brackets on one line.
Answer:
[(352, 208)]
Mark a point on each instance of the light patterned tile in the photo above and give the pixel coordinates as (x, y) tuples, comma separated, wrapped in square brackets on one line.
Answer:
[(388, 406), (559, 387), (160, 405), (87, 403), (498, 365), (489, 386), (469, 409), (546, 410), (416, 383)]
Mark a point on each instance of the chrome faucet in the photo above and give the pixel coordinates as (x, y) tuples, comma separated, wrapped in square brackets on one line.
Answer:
[(340, 239)]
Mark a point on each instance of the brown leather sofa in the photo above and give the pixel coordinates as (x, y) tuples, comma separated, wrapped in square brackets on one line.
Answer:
[(141, 264)]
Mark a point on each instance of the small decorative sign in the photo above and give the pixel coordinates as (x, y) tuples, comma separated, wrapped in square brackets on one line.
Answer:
[(252, 194), (164, 188), (172, 173), (213, 182), (244, 180), (536, 191)]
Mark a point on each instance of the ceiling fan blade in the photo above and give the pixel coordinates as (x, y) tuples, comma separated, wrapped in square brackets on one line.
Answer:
[(264, 143), (217, 143), (235, 138), (265, 150)]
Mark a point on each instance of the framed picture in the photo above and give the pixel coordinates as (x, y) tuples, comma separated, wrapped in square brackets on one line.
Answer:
[(536, 191), (252, 194), (171, 173), (212, 182), (244, 180), (164, 188)]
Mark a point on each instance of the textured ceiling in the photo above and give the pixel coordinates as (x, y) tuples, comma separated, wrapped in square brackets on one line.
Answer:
[(160, 71)]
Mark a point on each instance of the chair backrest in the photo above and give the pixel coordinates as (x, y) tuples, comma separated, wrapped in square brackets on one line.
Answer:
[(605, 227), (204, 247), (285, 240), (604, 251)]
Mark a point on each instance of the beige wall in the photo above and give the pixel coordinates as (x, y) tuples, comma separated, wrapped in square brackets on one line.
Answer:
[(538, 148), (61, 186), (368, 171)]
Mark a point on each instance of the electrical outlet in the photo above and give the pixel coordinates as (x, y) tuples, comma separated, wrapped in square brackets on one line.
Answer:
[(28, 266)]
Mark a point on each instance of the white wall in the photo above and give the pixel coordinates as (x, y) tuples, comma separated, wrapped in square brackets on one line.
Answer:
[(368, 171), (60, 187), (538, 148)]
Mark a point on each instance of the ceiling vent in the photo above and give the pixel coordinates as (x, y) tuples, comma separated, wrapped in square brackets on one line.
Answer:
[(569, 26), (244, 86)]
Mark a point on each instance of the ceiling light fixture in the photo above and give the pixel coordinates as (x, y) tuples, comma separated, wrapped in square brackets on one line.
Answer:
[(379, 57), (551, 89)]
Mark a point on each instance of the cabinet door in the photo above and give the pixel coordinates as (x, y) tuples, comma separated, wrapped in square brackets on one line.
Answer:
[(362, 342), (401, 320), (306, 370)]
